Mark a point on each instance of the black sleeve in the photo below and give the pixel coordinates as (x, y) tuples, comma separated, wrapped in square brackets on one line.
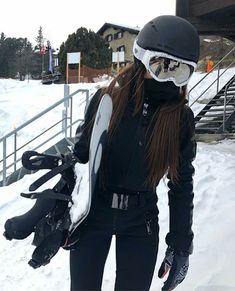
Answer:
[(181, 194), (83, 132)]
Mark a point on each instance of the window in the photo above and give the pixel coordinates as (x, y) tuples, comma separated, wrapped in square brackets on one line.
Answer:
[(121, 48), (109, 37), (118, 35)]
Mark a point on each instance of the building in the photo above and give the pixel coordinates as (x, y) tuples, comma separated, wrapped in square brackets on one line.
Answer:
[(210, 17), (120, 38)]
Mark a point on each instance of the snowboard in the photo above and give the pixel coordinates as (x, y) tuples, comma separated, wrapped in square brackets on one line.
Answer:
[(87, 174), (76, 206)]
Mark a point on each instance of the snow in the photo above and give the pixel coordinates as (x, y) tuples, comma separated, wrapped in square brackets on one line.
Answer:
[(81, 202), (122, 25), (211, 265)]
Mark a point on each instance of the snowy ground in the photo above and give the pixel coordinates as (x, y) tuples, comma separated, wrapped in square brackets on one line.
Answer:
[(211, 265)]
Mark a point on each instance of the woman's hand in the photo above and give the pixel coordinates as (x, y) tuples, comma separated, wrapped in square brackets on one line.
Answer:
[(176, 264)]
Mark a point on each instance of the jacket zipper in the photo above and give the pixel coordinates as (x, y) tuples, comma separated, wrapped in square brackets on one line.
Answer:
[(148, 227)]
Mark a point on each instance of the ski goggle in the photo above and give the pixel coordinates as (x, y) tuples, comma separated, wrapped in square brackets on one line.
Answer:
[(163, 67)]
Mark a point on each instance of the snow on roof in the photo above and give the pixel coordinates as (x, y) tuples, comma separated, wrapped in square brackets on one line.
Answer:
[(135, 29)]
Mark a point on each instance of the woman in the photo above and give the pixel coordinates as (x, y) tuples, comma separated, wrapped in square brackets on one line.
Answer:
[(151, 134)]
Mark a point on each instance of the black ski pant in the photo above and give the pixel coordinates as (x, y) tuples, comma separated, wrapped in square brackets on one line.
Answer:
[(136, 233)]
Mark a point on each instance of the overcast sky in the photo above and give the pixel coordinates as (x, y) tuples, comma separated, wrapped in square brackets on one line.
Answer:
[(61, 18)]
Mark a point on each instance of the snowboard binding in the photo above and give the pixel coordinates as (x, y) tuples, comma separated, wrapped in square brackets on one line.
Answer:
[(49, 218)]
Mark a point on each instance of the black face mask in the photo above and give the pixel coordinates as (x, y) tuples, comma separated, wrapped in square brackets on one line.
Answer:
[(159, 92)]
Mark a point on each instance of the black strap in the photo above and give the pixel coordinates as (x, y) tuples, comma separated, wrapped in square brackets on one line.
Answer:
[(49, 175), (32, 160), (46, 194)]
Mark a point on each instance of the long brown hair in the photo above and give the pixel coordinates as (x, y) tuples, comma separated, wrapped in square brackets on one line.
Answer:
[(162, 149)]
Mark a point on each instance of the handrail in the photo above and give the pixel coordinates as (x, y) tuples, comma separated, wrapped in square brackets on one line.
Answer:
[(213, 69), (225, 101), (211, 84), (40, 134), (43, 113), (67, 115)]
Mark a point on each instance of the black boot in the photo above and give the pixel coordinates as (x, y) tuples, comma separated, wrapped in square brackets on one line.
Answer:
[(47, 249), (20, 227)]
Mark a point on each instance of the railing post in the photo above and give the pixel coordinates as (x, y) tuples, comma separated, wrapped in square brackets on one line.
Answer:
[(64, 122), (71, 117), (15, 150), (4, 162), (225, 103), (65, 111), (87, 99), (218, 77), (66, 94)]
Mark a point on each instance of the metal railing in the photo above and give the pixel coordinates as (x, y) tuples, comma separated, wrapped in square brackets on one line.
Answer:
[(63, 127), (227, 102), (217, 80)]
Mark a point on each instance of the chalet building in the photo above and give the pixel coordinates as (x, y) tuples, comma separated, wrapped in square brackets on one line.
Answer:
[(210, 17), (120, 38)]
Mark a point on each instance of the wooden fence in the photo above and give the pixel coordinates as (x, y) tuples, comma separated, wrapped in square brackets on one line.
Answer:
[(87, 74)]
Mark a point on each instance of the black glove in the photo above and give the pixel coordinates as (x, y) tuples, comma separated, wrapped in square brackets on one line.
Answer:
[(177, 264)]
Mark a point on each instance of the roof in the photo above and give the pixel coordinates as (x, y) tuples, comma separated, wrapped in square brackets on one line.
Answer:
[(107, 25), (215, 17)]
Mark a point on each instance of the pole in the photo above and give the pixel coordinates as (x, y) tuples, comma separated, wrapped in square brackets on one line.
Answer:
[(4, 162), (42, 64), (79, 73), (67, 71), (79, 69), (218, 77), (118, 62)]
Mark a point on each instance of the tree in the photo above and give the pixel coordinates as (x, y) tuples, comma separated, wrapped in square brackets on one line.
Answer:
[(23, 57), (95, 52), (2, 37), (8, 48), (41, 58), (16, 55), (40, 39), (39, 53)]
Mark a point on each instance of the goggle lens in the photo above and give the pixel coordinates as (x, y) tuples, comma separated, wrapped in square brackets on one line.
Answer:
[(164, 69)]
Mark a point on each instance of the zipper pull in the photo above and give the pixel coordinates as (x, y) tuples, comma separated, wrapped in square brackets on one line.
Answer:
[(149, 230), (145, 109)]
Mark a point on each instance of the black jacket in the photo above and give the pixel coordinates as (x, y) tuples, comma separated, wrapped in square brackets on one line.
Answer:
[(125, 168)]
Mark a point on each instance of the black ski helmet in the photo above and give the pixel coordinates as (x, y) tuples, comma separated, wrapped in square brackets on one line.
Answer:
[(172, 35)]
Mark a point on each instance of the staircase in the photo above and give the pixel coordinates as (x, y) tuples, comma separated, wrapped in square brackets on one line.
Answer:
[(216, 120), (218, 116)]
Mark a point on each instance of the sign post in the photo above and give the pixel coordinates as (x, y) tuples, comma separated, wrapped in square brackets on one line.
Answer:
[(73, 58), (42, 53), (118, 57)]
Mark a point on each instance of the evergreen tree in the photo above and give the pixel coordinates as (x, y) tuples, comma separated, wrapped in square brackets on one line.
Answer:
[(23, 57), (2, 37), (40, 56), (3, 56), (40, 39), (16, 57), (95, 52)]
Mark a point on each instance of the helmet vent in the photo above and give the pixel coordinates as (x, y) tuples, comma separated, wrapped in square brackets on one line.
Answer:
[(154, 26)]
